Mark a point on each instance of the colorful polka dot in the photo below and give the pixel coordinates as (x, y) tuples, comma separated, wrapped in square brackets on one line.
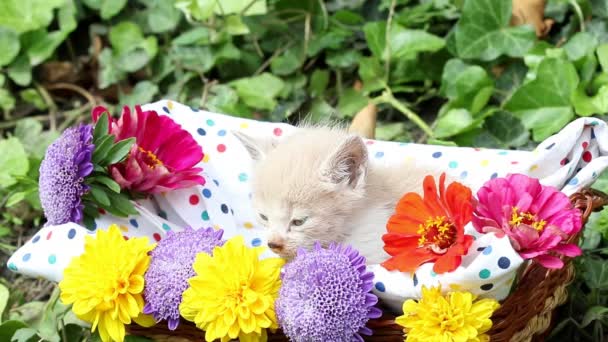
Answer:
[(216, 182), (194, 199), (380, 286), (369, 142), (248, 225), (221, 132), (156, 236), (217, 227), (503, 153), (12, 267), (206, 158), (436, 154), (243, 177), (484, 163), (277, 131), (244, 125), (573, 181), (52, 259), (37, 237), (464, 174), (487, 250), (480, 249), (257, 242), (210, 122), (453, 164), (224, 208), (201, 132), (379, 154), (26, 257), (205, 216), (170, 105), (486, 287), (49, 235), (415, 280), (564, 161), (166, 110), (533, 167), (550, 146), (71, 233), (207, 193), (134, 223), (166, 227), (221, 148), (494, 175), (162, 214), (433, 274), (585, 144), (587, 156), (484, 274), (504, 262), (123, 228)]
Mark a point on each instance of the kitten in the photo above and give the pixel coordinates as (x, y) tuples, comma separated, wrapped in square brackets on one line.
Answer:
[(318, 185)]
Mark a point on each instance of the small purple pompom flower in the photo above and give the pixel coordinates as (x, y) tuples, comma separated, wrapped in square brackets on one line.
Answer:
[(167, 277), (62, 172), (325, 296)]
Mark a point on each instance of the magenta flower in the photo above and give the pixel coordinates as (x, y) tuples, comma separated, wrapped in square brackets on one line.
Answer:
[(163, 156), (538, 219)]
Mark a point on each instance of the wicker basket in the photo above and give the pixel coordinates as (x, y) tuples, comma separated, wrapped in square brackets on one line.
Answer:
[(525, 315)]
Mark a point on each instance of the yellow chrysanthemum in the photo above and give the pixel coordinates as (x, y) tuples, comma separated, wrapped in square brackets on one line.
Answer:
[(106, 282), (456, 317), (233, 293)]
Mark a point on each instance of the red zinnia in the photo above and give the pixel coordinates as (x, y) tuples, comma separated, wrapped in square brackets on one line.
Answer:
[(430, 229), (163, 156)]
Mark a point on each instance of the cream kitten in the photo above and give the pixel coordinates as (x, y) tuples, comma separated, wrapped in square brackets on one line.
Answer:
[(318, 185)]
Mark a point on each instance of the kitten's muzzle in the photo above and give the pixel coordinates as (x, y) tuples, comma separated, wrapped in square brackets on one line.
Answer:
[(276, 246)]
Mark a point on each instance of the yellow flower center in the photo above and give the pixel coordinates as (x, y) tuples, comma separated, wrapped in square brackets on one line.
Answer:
[(518, 217), (150, 158), (437, 233)]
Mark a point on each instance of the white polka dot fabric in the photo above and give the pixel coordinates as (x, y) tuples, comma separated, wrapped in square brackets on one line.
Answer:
[(570, 160)]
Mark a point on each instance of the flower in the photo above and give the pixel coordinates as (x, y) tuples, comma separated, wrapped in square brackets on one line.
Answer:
[(106, 282), (233, 293), (538, 219), (163, 156), (325, 296), (171, 267), (62, 172), (456, 317), (430, 229)]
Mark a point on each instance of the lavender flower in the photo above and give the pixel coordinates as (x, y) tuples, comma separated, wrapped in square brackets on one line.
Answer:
[(62, 172), (325, 296), (171, 267)]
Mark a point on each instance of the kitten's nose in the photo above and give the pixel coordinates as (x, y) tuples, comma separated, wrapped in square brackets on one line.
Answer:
[(275, 245)]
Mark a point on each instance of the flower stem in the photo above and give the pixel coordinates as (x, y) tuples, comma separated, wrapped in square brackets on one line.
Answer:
[(388, 98)]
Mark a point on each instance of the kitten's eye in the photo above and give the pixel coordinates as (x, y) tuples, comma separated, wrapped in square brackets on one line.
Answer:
[(299, 222), (263, 217)]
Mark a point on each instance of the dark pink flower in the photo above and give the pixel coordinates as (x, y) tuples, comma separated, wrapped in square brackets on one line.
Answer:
[(163, 156), (538, 219)]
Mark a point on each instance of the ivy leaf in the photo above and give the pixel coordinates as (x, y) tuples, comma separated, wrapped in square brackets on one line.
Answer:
[(351, 102), (318, 82), (580, 45), (594, 313), (467, 86), (602, 56), (4, 294), (454, 121), (543, 104), (9, 40), (20, 71), (8, 329), (585, 105), (371, 73), (7, 101), (341, 59), (407, 42), (143, 92), (125, 37), (507, 129), (110, 8), (375, 35), (27, 15), (248, 89), (13, 161), (287, 63), (483, 31), (596, 273)]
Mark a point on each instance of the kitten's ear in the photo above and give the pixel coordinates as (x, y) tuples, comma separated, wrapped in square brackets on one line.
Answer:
[(258, 148), (347, 165)]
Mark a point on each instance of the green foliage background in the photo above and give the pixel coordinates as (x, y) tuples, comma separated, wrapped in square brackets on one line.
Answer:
[(450, 72)]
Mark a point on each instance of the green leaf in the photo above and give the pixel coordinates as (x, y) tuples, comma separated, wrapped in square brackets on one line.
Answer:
[(320, 111), (237, 6), (121, 204), (507, 128), (371, 73), (235, 26), (326, 40), (585, 105), (4, 294), (110, 8), (598, 222), (25, 335), (194, 36), (27, 15), (594, 313), (101, 127), (452, 123), (483, 31), (100, 195), (580, 45), (343, 59), (396, 131), (222, 99), (13, 161), (125, 36), (32, 96), (375, 35), (318, 82), (7, 101), (9, 40), (602, 56), (197, 9), (102, 147), (132, 61), (351, 102), (107, 181), (197, 58), (248, 90), (143, 92), (543, 104), (467, 86), (287, 62), (20, 71), (108, 73), (162, 16), (596, 273), (40, 44), (15, 198), (119, 151), (406, 43), (8, 329)]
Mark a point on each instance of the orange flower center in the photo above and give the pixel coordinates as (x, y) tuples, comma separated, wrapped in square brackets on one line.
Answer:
[(150, 158), (518, 217), (437, 233)]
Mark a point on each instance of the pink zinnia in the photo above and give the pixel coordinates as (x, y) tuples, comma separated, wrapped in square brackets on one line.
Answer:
[(538, 219), (163, 156)]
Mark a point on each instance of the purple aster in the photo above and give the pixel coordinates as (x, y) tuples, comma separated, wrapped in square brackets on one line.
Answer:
[(325, 296), (170, 268), (62, 172)]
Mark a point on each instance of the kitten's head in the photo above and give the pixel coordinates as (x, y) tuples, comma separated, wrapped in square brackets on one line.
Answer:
[(306, 186)]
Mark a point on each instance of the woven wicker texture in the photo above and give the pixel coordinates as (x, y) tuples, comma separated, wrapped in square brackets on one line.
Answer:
[(524, 316)]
